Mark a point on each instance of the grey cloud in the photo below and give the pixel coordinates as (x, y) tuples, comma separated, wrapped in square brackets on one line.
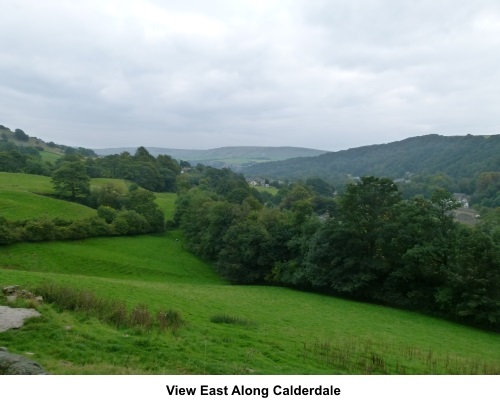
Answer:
[(323, 74)]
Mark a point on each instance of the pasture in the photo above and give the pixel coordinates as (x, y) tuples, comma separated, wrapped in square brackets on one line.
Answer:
[(264, 330), (225, 329)]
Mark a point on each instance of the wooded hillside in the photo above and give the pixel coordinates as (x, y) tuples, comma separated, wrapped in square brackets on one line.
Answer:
[(456, 156)]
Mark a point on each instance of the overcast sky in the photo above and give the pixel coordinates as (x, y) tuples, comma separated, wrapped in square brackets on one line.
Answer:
[(324, 74)]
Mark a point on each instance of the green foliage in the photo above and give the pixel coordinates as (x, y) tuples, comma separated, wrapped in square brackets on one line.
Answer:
[(106, 213), (420, 164), (71, 179), (155, 174), (7, 234), (31, 217), (353, 262), (487, 191), (320, 186), (143, 203), (245, 255), (129, 222), (20, 135), (368, 244), (109, 194)]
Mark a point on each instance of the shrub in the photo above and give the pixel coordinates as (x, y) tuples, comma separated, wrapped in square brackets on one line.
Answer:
[(107, 213), (141, 317), (130, 223), (169, 319)]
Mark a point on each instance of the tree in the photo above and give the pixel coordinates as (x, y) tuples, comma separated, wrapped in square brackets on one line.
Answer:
[(143, 202), (71, 178), (245, 257), (21, 136), (346, 254), (421, 249), (109, 194), (320, 186)]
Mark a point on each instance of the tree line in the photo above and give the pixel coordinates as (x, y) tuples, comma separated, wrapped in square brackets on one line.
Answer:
[(368, 244)]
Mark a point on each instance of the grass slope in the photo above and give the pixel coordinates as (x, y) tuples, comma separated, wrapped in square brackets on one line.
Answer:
[(20, 199), (26, 182), (16, 205), (285, 331), (266, 330)]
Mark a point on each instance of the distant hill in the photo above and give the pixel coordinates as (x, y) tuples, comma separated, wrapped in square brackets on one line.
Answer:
[(49, 150), (456, 156), (236, 157), (19, 137)]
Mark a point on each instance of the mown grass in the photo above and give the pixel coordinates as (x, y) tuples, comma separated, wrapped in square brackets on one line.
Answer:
[(291, 333)]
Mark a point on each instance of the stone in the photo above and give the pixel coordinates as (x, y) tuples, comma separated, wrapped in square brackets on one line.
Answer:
[(13, 318), (11, 289), (14, 364)]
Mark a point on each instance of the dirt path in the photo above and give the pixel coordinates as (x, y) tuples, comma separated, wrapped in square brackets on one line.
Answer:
[(12, 318)]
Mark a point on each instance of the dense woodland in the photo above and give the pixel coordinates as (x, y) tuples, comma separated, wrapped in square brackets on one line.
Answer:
[(369, 242)]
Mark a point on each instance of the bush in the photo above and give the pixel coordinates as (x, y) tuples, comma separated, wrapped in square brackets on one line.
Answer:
[(130, 223), (39, 230)]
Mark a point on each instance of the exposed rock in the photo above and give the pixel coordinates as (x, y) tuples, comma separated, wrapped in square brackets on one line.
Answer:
[(11, 289), (12, 318), (14, 364), (12, 294)]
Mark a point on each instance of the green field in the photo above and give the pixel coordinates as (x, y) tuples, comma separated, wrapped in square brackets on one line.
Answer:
[(26, 182), (288, 332), (166, 201), (20, 198), (50, 156), (17, 205), (227, 329), (270, 190)]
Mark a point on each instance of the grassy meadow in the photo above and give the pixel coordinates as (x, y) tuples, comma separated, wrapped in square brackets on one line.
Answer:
[(224, 328), (27, 196), (50, 156)]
